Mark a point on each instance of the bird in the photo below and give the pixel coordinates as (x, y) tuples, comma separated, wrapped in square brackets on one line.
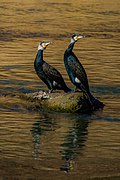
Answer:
[(47, 73), (77, 73)]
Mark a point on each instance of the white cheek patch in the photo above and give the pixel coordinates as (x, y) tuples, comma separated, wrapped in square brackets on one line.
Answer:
[(77, 80), (40, 47)]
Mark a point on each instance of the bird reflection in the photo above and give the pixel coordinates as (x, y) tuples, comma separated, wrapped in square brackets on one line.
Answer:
[(74, 143), (39, 129), (71, 129)]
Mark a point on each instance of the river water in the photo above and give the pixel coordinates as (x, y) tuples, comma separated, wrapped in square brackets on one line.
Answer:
[(50, 145)]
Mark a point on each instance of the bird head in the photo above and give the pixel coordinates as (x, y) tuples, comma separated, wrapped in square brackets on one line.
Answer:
[(42, 45), (76, 37)]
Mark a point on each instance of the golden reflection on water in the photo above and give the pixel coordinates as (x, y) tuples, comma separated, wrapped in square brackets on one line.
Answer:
[(29, 23)]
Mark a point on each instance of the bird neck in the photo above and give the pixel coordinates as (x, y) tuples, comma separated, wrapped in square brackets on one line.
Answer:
[(70, 47), (39, 56), (39, 59)]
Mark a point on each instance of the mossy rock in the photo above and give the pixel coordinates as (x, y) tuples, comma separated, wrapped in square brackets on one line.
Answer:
[(57, 101)]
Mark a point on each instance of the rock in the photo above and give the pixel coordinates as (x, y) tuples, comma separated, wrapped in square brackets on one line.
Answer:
[(57, 101)]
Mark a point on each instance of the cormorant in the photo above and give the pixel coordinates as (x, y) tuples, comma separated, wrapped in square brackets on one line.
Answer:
[(48, 74), (77, 73)]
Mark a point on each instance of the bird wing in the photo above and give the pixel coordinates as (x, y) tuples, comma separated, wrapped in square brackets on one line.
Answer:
[(52, 73), (78, 70)]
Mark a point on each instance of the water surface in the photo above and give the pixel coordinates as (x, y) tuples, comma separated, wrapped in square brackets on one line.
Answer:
[(51, 145)]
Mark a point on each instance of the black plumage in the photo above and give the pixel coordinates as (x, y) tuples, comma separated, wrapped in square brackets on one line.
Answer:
[(48, 74), (77, 73)]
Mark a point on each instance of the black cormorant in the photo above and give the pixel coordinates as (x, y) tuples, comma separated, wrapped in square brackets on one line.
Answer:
[(48, 74), (77, 72)]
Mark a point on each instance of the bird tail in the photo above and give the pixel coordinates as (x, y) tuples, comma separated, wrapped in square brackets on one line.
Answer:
[(96, 104), (66, 89)]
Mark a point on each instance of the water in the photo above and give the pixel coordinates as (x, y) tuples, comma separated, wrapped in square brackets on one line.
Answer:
[(51, 145)]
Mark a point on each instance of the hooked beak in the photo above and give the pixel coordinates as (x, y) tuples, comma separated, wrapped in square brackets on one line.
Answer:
[(80, 36), (47, 43)]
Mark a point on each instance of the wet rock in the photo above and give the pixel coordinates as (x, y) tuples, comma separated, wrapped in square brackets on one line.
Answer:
[(57, 101)]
